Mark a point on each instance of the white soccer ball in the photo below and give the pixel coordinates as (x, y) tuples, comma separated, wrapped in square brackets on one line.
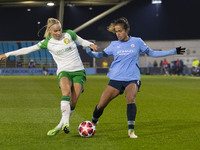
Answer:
[(86, 129)]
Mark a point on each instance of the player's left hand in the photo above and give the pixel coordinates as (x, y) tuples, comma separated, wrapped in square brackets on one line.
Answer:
[(94, 47), (180, 50)]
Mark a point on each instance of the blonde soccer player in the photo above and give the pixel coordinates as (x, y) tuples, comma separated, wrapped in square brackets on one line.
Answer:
[(70, 70)]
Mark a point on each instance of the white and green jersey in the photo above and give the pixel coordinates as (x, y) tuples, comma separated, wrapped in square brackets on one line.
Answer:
[(64, 51)]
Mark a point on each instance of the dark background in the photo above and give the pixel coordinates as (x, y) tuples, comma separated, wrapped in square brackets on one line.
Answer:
[(173, 19)]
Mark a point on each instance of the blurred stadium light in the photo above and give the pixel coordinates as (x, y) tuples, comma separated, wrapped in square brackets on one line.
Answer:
[(156, 1), (50, 4)]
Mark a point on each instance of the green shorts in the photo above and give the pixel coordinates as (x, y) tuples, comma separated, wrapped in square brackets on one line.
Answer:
[(74, 77)]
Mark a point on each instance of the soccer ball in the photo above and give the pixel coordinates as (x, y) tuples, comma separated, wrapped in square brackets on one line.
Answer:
[(86, 129)]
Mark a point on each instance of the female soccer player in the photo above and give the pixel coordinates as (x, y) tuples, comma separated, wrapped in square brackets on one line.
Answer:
[(70, 70), (124, 72)]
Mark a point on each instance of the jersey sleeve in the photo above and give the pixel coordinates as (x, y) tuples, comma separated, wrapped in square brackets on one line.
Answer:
[(143, 46), (109, 50), (154, 53), (145, 49), (72, 34), (43, 44), (83, 42), (23, 51), (95, 54), (78, 39)]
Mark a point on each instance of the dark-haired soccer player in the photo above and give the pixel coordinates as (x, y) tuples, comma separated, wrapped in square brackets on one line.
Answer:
[(124, 72)]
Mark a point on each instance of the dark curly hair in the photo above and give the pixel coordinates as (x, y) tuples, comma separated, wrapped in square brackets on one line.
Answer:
[(123, 21)]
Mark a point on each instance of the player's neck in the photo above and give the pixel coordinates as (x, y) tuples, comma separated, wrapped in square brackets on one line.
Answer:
[(125, 39)]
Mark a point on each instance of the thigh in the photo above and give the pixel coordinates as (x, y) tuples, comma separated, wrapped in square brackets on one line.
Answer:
[(131, 91), (76, 92), (108, 94), (80, 78), (65, 86)]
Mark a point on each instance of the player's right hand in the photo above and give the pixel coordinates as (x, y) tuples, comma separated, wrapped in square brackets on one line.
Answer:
[(94, 47), (2, 57)]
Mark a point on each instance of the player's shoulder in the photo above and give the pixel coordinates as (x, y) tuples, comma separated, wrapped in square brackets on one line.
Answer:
[(71, 33), (43, 44), (136, 38), (114, 42), (68, 31)]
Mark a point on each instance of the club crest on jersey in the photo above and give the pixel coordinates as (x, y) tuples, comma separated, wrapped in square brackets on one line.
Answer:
[(132, 45), (66, 41)]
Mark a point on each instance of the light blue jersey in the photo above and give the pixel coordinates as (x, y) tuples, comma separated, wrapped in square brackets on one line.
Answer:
[(125, 66)]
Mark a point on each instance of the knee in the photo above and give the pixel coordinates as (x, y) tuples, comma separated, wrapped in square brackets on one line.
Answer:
[(131, 99), (66, 91)]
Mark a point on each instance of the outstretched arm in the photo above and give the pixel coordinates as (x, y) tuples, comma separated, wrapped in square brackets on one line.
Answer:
[(86, 43), (23, 51), (178, 50), (96, 54)]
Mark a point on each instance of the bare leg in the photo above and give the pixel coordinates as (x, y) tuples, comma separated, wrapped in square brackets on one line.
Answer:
[(131, 92), (65, 86), (76, 92), (108, 94)]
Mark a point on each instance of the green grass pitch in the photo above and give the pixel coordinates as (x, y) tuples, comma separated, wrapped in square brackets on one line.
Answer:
[(168, 115)]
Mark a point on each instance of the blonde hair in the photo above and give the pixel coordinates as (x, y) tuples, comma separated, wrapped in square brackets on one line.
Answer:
[(50, 22), (122, 21)]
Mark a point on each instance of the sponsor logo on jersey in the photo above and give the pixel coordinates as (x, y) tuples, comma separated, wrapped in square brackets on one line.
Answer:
[(66, 41), (59, 52), (124, 52)]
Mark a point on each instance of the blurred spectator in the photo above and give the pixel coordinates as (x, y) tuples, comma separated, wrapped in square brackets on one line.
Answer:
[(44, 71), (195, 67), (161, 67), (19, 64), (181, 67), (177, 67), (173, 67), (31, 64), (149, 65), (105, 64), (166, 67), (161, 63), (155, 64)]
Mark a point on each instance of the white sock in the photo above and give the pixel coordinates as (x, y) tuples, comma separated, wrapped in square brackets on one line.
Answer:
[(65, 110), (60, 124)]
